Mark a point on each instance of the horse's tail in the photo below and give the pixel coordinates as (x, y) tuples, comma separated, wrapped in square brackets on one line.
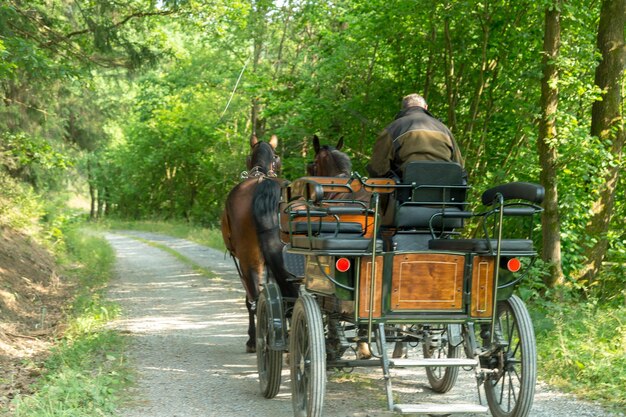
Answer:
[(265, 214)]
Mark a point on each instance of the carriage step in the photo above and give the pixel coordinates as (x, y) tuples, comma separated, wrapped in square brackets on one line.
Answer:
[(440, 409), (399, 363)]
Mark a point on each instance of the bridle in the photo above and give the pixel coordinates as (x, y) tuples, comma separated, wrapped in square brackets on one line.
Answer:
[(261, 170), (312, 167)]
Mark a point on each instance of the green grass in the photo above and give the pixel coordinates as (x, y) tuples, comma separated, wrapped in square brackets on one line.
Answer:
[(86, 370), (208, 237), (582, 349), (199, 269)]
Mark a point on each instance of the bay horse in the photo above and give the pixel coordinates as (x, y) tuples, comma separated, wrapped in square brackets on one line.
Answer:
[(329, 160), (250, 228)]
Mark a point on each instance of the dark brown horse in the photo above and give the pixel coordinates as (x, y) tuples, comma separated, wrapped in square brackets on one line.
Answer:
[(250, 228), (330, 161)]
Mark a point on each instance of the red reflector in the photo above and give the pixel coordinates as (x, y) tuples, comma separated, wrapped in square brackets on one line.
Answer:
[(513, 265), (342, 264)]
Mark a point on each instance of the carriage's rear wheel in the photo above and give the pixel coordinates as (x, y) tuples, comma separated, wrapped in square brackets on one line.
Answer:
[(441, 378), (308, 358), (511, 390), (269, 361)]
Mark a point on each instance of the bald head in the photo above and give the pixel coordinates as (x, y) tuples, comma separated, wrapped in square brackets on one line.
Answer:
[(414, 100)]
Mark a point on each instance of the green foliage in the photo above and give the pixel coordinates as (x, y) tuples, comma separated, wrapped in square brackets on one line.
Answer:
[(20, 207), (33, 159), (339, 69), (83, 378), (87, 368), (582, 349)]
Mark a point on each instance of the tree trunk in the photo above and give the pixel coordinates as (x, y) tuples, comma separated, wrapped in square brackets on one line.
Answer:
[(258, 25), (428, 80), (92, 190), (450, 77), (547, 146), (368, 83), (607, 124), (481, 82)]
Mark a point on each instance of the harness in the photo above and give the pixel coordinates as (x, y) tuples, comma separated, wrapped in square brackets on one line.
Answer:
[(259, 171)]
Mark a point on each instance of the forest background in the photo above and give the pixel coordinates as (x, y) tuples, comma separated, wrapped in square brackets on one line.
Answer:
[(147, 107)]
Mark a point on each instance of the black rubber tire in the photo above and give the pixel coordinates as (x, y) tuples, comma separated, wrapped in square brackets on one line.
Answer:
[(269, 361), (307, 349), (511, 393), (442, 378)]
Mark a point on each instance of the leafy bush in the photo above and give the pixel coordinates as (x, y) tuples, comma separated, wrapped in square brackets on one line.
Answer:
[(20, 207)]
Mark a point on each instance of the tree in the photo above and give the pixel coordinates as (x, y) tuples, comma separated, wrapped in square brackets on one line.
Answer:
[(607, 124), (547, 145)]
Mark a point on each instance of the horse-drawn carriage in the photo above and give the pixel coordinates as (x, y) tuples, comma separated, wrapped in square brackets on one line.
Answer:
[(394, 268)]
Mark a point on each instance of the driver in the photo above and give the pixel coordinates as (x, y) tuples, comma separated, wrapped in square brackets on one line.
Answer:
[(414, 135)]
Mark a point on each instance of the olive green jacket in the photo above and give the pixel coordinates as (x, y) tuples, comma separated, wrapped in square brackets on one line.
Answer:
[(415, 135)]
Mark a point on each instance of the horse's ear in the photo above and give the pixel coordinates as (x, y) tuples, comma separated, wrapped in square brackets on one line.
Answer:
[(274, 141), (339, 144), (316, 144), (253, 140)]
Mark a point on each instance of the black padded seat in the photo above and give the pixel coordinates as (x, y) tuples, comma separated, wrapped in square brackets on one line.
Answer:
[(481, 245), (318, 227), (335, 243)]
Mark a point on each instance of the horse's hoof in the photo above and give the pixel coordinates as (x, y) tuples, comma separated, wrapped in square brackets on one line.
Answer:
[(363, 351), (250, 349), (400, 353)]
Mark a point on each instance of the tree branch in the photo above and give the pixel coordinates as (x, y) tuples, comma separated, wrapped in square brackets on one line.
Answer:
[(122, 22)]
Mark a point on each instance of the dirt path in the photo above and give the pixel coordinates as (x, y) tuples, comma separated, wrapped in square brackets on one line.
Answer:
[(187, 345)]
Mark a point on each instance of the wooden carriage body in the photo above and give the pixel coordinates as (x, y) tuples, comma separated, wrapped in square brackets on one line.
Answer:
[(421, 272), (383, 267)]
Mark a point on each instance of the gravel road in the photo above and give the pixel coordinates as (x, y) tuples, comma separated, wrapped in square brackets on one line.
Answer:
[(188, 333)]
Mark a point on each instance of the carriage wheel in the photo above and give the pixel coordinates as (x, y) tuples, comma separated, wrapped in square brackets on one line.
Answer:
[(441, 378), (308, 358), (269, 361), (510, 392)]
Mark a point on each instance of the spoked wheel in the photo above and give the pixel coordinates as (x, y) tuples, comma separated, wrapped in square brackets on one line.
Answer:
[(511, 390), (308, 358), (441, 378), (269, 361)]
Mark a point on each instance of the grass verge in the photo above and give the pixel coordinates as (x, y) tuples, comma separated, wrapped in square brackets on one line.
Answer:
[(86, 370), (199, 269), (582, 349)]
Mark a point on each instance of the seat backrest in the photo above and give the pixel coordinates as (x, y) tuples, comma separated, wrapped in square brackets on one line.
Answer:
[(436, 182), (436, 187)]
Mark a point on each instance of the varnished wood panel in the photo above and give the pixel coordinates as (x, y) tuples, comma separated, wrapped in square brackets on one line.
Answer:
[(427, 282), (378, 185), (481, 304), (364, 287)]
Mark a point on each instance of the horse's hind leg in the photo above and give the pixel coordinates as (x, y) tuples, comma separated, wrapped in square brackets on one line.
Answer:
[(400, 350), (363, 348), (251, 343), (251, 284)]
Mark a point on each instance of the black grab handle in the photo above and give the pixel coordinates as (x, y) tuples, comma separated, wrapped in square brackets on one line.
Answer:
[(515, 190)]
